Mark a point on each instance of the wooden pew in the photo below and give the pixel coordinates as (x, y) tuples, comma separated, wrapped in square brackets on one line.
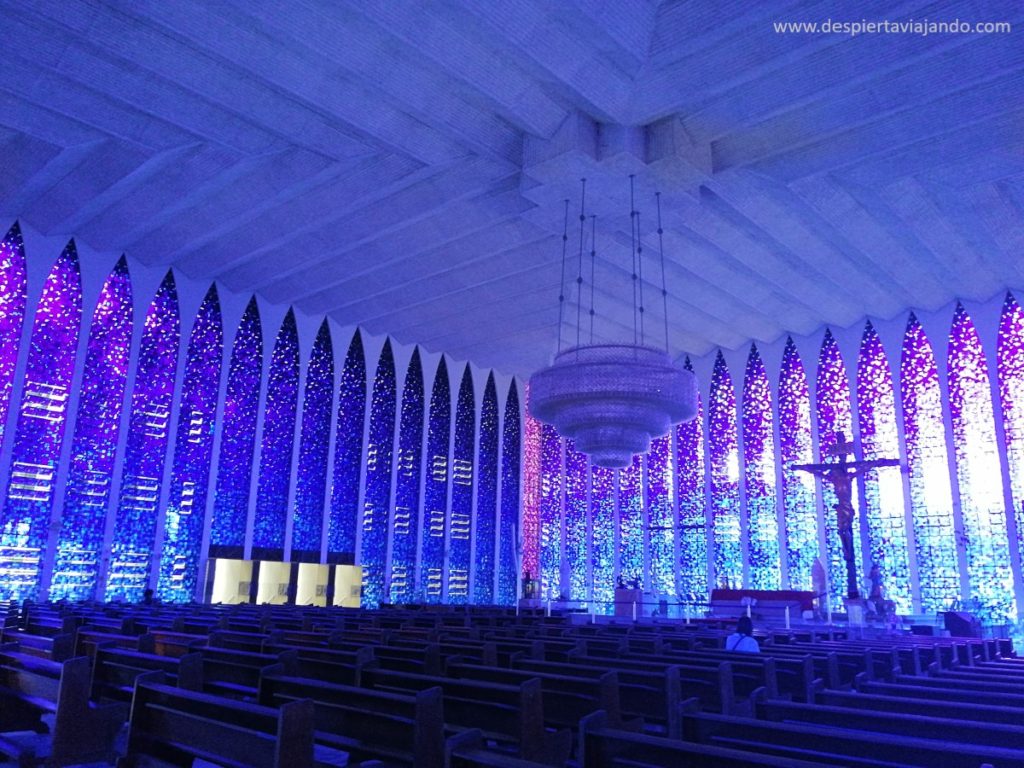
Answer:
[(510, 714), (930, 707), (31, 688), (370, 725), (468, 750), (57, 648), (604, 747), (171, 727), (840, 746), (115, 670), (237, 673), (930, 688), (328, 664)]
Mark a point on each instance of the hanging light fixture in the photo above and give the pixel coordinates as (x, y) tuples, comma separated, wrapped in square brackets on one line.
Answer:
[(612, 399)]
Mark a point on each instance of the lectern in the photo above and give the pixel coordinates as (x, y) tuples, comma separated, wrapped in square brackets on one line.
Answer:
[(625, 600)]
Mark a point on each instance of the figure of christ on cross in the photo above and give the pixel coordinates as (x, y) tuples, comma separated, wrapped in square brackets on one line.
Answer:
[(842, 474)]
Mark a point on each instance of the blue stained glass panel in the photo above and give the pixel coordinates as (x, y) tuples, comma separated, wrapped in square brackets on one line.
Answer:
[(377, 498), (511, 440), (796, 446), (883, 487), (405, 532), (759, 474), (435, 487), (94, 444), (348, 452), (693, 519), (577, 528), (314, 442), (24, 526), (277, 444), (461, 521), (146, 447), (725, 477), (193, 452), (631, 524), (238, 437), (486, 497), (603, 549), (661, 504), (550, 513)]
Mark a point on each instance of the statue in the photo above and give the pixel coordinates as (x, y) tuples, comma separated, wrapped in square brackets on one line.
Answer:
[(842, 474)]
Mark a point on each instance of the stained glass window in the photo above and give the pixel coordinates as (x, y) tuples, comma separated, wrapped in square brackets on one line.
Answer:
[(13, 298), (348, 452), (461, 521), (1010, 366), (550, 513), (690, 478), (532, 449), (759, 474), (193, 452), (405, 532), (24, 526), (486, 497), (832, 400), (277, 444), (94, 444), (146, 447), (238, 437), (314, 442), (799, 503), (508, 534), (377, 498), (631, 524), (927, 461), (577, 480), (978, 471), (662, 516), (435, 487), (604, 535), (725, 477), (883, 487)]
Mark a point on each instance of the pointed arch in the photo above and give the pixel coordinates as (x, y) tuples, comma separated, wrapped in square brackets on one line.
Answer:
[(508, 534), (693, 518), (277, 444), (348, 451), (193, 453), (759, 476), (883, 488), (146, 447), (725, 476), (832, 402), (39, 432), (238, 437), (13, 302), (377, 498), (409, 461), (796, 446), (931, 495), (1010, 369), (982, 507), (486, 497), (95, 440), (314, 443), (435, 488), (463, 479)]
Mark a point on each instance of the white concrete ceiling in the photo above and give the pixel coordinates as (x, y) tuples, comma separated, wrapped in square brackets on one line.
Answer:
[(401, 164)]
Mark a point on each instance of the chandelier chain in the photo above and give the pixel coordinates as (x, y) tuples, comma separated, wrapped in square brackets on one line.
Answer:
[(579, 262), (561, 285), (632, 249), (593, 259), (661, 253), (640, 281)]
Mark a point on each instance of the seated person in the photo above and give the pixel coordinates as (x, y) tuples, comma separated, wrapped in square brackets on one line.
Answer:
[(742, 640)]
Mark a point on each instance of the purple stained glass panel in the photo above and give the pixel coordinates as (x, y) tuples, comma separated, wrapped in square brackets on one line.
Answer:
[(1010, 368), (277, 444), (95, 439), (759, 476), (13, 300), (238, 437), (193, 453), (661, 516), (146, 447), (725, 477), (24, 526), (693, 524), (550, 513), (577, 480), (314, 442)]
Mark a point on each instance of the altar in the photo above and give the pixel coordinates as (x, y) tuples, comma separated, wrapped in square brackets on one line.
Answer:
[(628, 602), (767, 603)]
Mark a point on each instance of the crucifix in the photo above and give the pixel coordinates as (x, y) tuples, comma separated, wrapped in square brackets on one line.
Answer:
[(842, 473)]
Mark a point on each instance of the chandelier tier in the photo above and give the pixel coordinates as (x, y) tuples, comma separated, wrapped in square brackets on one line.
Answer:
[(613, 399)]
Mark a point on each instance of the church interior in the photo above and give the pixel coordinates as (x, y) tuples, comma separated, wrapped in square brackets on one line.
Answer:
[(456, 384)]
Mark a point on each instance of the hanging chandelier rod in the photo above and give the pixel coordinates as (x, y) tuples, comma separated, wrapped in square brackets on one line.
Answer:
[(561, 288)]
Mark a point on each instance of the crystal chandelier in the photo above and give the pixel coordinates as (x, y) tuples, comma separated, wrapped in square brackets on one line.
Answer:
[(612, 399)]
